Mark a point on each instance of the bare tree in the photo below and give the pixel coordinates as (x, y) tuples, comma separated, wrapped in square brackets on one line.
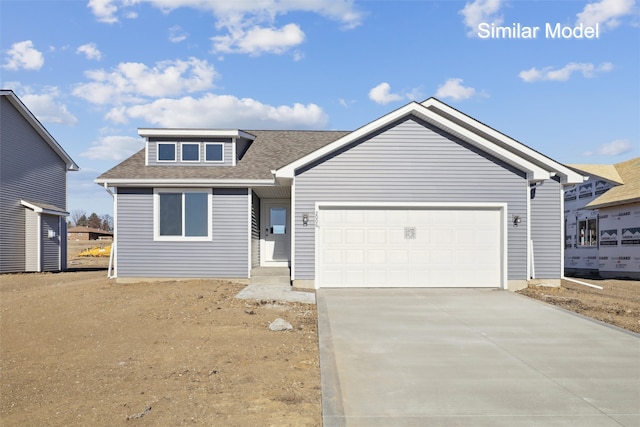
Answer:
[(107, 222), (76, 217)]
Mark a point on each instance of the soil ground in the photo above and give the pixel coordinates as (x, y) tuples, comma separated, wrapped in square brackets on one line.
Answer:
[(78, 349), (618, 303)]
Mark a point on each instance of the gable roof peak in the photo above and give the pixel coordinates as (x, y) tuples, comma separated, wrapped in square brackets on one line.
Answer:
[(39, 128)]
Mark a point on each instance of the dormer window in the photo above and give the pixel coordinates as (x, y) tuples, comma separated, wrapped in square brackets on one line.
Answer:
[(190, 152), (166, 152), (214, 153)]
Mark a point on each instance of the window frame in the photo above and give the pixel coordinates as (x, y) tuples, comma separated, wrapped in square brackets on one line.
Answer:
[(221, 144), (182, 144), (587, 241), (175, 152), (182, 238)]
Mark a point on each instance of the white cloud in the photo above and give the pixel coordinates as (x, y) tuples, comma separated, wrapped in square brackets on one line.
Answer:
[(177, 34), (453, 89), (133, 81), (113, 148), (222, 111), (480, 11), (605, 12), (23, 56), (415, 94), (248, 26), (346, 104), (104, 10), (613, 148), (90, 50), (257, 40), (587, 70), (381, 94), (227, 11), (47, 109)]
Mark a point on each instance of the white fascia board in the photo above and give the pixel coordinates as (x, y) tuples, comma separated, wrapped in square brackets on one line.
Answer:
[(188, 133), (533, 171), (229, 183), (41, 210), (568, 176)]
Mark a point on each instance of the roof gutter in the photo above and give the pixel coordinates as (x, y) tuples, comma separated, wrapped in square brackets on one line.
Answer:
[(613, 203), (227, 183), (43, 210)]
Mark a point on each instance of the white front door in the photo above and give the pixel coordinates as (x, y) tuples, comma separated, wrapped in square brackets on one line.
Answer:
[(276, 234)]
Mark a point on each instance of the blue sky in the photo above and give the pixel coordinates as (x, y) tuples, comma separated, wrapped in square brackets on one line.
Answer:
[(94, 71)]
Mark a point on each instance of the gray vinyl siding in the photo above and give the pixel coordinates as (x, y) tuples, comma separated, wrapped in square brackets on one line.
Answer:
[(242, 145), (138, 255), (31, 240), (152, 158), (50, 245), (255, 230), (30, 170), (546, 230), (410, 162)]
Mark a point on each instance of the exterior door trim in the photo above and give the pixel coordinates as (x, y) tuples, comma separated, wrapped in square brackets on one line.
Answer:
[(265, 204)]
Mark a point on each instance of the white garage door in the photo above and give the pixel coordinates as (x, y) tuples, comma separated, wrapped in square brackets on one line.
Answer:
[(403, 247)]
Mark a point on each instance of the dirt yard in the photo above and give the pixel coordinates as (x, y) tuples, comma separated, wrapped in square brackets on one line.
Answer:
[(618, 303), (77, 349)]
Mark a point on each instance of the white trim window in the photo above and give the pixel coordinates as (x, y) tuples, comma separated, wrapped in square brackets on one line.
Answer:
[(190, 152), (182, 214), (166, 152), (214, 152)]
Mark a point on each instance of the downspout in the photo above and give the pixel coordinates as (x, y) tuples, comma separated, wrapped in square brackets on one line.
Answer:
[(113, 243)]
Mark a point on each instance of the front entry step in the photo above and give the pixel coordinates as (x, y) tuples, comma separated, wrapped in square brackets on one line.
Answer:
[(271, 276)]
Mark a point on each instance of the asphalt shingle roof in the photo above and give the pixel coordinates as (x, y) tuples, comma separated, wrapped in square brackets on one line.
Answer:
[(270, 150), (629, 192), (625, 173)]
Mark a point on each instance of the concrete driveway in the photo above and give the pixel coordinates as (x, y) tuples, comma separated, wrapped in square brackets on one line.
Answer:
[(470, 357)]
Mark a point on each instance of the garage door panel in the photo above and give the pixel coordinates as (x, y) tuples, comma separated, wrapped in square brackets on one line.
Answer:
[(377, 236), (355, 256), (354, 236), (355, 217), (399, 257), (375, 278), (333, 257), (376, 257), (333, 236), (420, 258), (376, 217), (354, 276), (409, 247), (442, 236)]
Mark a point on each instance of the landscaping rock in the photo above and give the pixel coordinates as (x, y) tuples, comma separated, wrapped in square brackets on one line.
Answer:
[(280, 325)]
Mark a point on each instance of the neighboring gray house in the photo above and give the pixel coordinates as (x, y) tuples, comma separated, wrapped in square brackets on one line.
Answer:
[(33, 192), (424, 196)]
